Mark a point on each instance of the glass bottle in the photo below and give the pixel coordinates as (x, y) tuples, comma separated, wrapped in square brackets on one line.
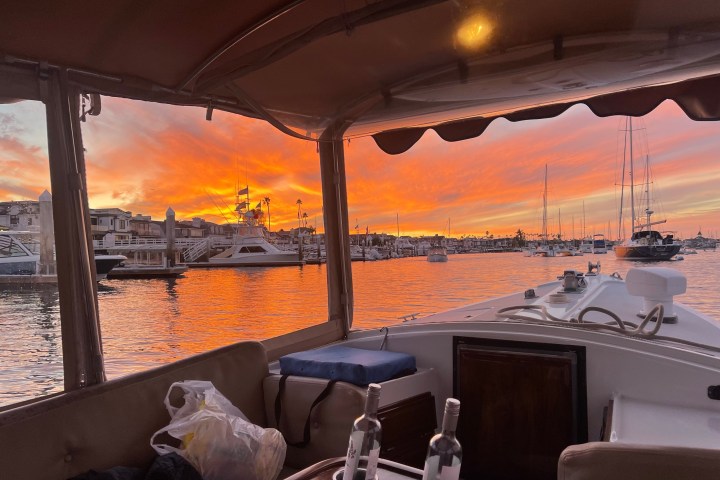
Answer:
[(364, 448), (444, 453)]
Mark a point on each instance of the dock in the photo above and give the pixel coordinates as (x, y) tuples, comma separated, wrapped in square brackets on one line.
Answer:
[(28, 280), (244, 264), (146, 271)]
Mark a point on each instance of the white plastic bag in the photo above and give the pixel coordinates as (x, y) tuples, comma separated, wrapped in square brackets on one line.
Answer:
[(218, 440)]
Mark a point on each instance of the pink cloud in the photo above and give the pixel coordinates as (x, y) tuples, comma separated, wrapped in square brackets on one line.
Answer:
[(146, 157)]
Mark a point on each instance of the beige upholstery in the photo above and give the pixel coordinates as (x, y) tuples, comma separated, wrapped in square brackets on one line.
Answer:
[(330, 423), (621, 461), (111, 424)]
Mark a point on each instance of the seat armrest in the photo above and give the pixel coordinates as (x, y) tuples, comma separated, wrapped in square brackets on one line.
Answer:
[(621, 461)]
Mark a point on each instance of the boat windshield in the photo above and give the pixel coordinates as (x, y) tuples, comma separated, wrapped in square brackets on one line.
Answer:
[(11, 247)]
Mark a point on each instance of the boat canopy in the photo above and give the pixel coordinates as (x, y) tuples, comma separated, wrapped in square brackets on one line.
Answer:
[(387, 68), (326, 71)]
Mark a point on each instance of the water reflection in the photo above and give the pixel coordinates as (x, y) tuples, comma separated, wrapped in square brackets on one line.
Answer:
[(31, 346), (146, 323)]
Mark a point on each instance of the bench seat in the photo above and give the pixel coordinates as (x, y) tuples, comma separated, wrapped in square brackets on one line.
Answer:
[(110, 424)]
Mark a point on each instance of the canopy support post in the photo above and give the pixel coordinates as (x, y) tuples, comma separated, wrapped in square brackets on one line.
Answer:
[(335, 214), (80, 326)]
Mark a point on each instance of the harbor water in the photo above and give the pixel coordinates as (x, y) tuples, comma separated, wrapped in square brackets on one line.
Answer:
[(147, 323)]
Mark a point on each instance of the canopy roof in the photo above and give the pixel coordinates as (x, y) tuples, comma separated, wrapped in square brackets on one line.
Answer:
[(388, 68)]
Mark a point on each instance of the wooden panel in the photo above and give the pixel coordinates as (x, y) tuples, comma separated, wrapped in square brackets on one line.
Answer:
[(407, 428), (519, 410)]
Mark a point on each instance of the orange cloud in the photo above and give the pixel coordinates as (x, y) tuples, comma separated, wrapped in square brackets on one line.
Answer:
[(146, 157)]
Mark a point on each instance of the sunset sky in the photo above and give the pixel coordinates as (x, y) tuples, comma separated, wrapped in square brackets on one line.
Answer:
[(144, 158)]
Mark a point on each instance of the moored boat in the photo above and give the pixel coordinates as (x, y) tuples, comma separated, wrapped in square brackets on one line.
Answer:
[(251, 249), (586, 245), (437, 253), (648, 245), (599, 246), (20, 262), (645, 243)]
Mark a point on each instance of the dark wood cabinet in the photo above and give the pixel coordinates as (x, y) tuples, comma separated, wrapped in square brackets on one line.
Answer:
[(521, 405), (408, 426)]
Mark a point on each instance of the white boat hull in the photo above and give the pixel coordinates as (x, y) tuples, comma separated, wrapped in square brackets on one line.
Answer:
[(437, 257), (253, 260)]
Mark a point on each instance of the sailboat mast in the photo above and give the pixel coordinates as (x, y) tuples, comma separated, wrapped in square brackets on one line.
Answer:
[(648, 212), (620, 234), (632, 179), (544, 227), (559, 226)]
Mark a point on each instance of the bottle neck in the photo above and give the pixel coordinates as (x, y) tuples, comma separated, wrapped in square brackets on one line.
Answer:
[(449, 424), (371, 405)]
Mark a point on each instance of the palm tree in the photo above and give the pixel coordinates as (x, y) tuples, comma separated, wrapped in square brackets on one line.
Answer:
[(299, 203), (267, 202), (305, 217)]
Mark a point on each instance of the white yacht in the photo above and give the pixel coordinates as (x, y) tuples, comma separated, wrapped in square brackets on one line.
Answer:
[(404, 248), (15, 256), (586, 245), (19, 256), (599, 246), (590, 376), (437, 253), (251, 249)]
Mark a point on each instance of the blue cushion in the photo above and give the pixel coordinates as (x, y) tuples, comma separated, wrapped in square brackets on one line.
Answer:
[(347, 364)]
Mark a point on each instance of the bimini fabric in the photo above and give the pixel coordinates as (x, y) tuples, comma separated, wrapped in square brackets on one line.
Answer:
[(699, 99), (388, 68)]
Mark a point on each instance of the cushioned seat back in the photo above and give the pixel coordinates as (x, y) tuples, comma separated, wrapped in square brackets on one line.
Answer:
[(626, 461), (111, 424), (330, 422)]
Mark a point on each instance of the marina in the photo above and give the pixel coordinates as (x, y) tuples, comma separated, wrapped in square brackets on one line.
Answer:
[(147, 323)]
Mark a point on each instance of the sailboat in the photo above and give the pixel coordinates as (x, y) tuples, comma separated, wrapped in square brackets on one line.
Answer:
[(645, 243), (545, 249)]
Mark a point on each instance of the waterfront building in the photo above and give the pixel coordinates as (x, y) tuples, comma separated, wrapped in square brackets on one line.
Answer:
[(20, 215), (110, 220)]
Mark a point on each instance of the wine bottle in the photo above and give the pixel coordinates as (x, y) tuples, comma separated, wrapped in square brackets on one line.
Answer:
[(444, 453), (364, 448)]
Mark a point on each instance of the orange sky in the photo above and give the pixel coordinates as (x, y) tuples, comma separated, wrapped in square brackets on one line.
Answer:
[(146, 157)]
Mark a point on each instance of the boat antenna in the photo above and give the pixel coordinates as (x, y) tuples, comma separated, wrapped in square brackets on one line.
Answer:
[(217, 206), (544, 230), (632, 178), (247, 186)]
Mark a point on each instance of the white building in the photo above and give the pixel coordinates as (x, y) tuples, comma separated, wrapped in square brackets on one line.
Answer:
[(20, 215), (110, 220)]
